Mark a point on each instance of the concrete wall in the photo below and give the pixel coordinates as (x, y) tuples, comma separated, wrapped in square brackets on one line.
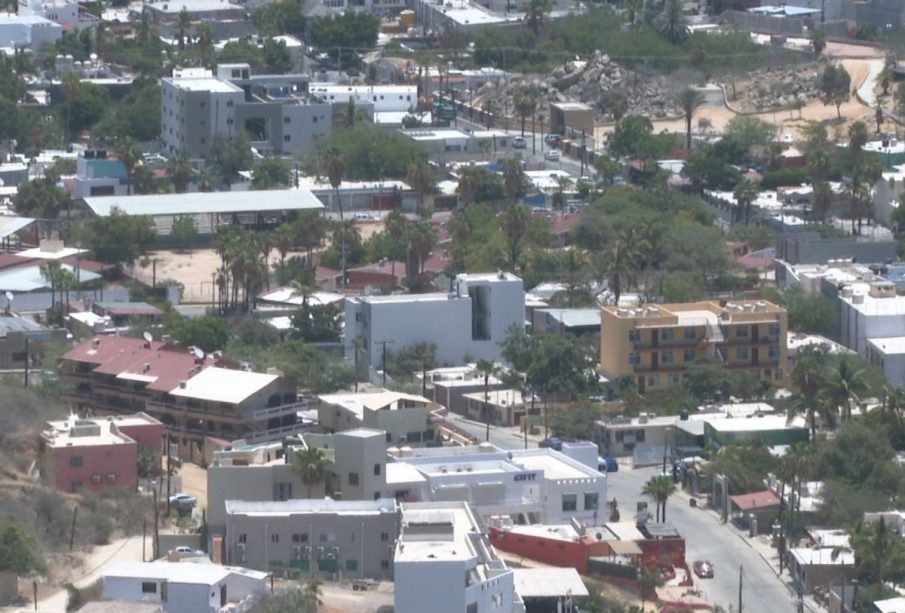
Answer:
[(191, 119), (807, 248), (181, 597), (435, 584), (100, 467), (556, 552), (365, 456)]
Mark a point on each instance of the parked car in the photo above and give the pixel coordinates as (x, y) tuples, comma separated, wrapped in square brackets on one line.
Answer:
[(519, 142), (553, 442), (703, 569), (553, 140), (185, 551), (183, 501), (552, 155), (607, 464)]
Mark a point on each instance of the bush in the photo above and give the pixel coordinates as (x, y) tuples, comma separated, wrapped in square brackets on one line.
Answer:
[(785, 177)]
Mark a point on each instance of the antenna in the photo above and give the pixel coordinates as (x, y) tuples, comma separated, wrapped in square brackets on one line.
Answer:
[(147, 336), (197, 352)]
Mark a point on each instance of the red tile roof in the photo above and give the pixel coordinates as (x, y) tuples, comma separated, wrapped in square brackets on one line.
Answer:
[(755, 500)]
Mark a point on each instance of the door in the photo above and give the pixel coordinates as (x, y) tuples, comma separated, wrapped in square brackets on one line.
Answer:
[(755, 334), (755, 358)]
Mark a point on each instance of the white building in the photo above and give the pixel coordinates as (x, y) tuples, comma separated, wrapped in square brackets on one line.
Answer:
[(870, 311), (31, 31), (886, 193), (405, 418), (64, 12), (183, 587), (533, 485), (444, 563), (889, 354), (467, 324), (383, 98)]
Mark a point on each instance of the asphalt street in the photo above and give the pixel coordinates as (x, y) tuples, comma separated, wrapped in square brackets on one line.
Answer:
[(706, 538)]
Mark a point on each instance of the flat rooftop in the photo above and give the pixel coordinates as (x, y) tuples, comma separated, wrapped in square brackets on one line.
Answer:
[(888, 345), (437, 532), (180, 572), (554, 467), (206, 203), (223, 385), (549, 583), (754, 424), (77, 432), (379, 401), (204, 84), (286, 508)]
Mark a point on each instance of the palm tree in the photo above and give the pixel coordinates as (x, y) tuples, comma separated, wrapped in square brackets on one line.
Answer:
[(514, 223), (129, 153), (844, 384), (659, 488), (421, 238), (311, 466), (180, 172), (808, 376), (335, 168), (346, 234), (620, 264), (205, 43), (634, 7), (396, 226), (857, 137), (311, 230), (66, 281), (183, 23), (690, 99), (672, 24), (525, 104), (513, 178), (745, 193), (70, 84), (284, 240), (420, 177), (468, 186), (50, 271), (536, 14), (487, 369)]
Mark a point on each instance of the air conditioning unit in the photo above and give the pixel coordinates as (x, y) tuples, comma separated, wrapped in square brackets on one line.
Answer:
[(307, 550), (320, 550), (240, 546), (331, 556), (335, 549)]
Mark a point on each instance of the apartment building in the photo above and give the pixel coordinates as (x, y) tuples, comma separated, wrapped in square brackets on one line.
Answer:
[(183, 388), (870, 312), (465, 324), (444, 563), (655, 343), (326, 539), (184, 587), (276, 112), (78, 454), (405, 418)]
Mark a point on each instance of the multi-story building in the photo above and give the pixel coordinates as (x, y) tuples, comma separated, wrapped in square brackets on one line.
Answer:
[(405, 418), (655, 343), (184, 587), (328, 539), (275, 111), (870, 311), (96, 175), (444, 563), (97, 454), (181, 387), (532, 485), (473, 319), (31, 31)]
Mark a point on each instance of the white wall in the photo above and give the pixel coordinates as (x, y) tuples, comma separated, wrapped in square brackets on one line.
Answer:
[(181, 597), (435, 586), (857, 328)]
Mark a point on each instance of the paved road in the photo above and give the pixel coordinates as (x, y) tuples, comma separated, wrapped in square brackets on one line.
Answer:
[(705, 537)]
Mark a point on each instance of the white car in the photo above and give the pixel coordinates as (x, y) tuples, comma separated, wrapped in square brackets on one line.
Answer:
[(552, 155), (187, 552)]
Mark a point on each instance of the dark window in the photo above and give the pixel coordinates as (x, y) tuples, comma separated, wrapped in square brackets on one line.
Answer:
[(287, 119), (384, 564), (569, 502), (75, 461), (243, 538), (148, 587), (353, 478), (384, 537), (591, 501), (377, 470), (275, 537)]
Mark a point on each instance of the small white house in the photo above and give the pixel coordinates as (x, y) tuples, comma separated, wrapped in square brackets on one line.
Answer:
[(183, 587)]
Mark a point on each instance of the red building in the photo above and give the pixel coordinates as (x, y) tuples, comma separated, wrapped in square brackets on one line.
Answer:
[(97, 454)]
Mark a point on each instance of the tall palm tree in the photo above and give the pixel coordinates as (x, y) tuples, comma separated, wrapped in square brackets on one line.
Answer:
[(395, 224), (690, 99), (284, 239), (180, 172), (808, 376), (514, 223), (467, 187), (659, 488), (129, 153), (745, 193), (311, 466), (421, 238), (672, 24), (183, 23), (487, 369), (312, 230), (50, 271), (420, 177), (66, 281), (205, 43), (70, 84), (513, 178), (844, 384), (525, 105), (335, 167), (537, 13)]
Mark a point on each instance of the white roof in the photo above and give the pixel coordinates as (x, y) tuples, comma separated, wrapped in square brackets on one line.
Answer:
[(298, 506), (206, 202), (438, 532), (10, 224), (288, 295), (889, 345), (890, 605), (421, 134), (180, 572), (204, 84), (403, 473), (871, 306), (750, 424), (823, 557), (554, 464), (224, 385), (38, 254), (548, 582)]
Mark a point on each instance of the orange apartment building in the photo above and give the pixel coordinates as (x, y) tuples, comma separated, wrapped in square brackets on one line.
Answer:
[(192, 394), (655, 343)]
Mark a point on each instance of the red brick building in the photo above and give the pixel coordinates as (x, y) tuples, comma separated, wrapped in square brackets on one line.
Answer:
[(97, 454)]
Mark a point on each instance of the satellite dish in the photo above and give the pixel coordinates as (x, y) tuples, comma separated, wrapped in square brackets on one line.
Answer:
[(147, 336), (9, 295), (198, 353)]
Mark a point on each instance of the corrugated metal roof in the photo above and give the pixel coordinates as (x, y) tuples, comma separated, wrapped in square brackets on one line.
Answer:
[(207, 202)]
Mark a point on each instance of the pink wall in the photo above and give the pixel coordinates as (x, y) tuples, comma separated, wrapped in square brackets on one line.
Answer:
[(120, 460)]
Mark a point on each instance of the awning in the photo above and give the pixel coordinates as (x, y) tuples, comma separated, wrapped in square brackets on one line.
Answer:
[(625, 548)]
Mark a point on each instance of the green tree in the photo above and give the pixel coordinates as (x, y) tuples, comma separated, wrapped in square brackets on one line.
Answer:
[(17, 550), (335, 167), (525, 104), (818, 41), (228, 155), (344, 34), (129, 153), (745, 193), (271, 173), (277, 59), (660, 488), (184, 231), (242, 52), (50, 272), (421, 238), (207, 333), (118, 238), (608, 169), (808, 377), (844, 384), (835, 86), (487, 369), (537, 12), (311, 466), (513, 179), (374, 154), (621, 262), (281, 17), (317, 323), (180, 173), (672, 24), (40, 198), (690, 99), (514, 223), (420, 178), (183, 23)]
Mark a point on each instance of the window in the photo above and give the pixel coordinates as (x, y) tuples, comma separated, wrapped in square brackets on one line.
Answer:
[(229, 104), (674, 379), (778, 374), (352, 565), (287, 138), (243, 538), (75, 461), (75, 486), (300, 538), (667, 334), (774, 329), (275, 537), (689, 333), (774, 352), (497, 600), (666, 357), (384, 537), (634, 358), (148, 587), (652, 381), (229, 121), (569, 502), (18, 356), (591, 501), (377, 470), (287, 119), (322, 538), (741, 353), (689, 355), (353, 478), (741, 332), (314, 119), (634, 336), (384, 564), (111, 477)]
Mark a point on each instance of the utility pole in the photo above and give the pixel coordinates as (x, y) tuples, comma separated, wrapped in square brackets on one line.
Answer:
[(169, 470), (26, 361), (533, 136), (156, 524), (740, 571), (75, 514), (384, 359), (144, 534)]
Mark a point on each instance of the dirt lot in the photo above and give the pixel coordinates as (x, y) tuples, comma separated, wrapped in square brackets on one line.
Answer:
[(194, 482)]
